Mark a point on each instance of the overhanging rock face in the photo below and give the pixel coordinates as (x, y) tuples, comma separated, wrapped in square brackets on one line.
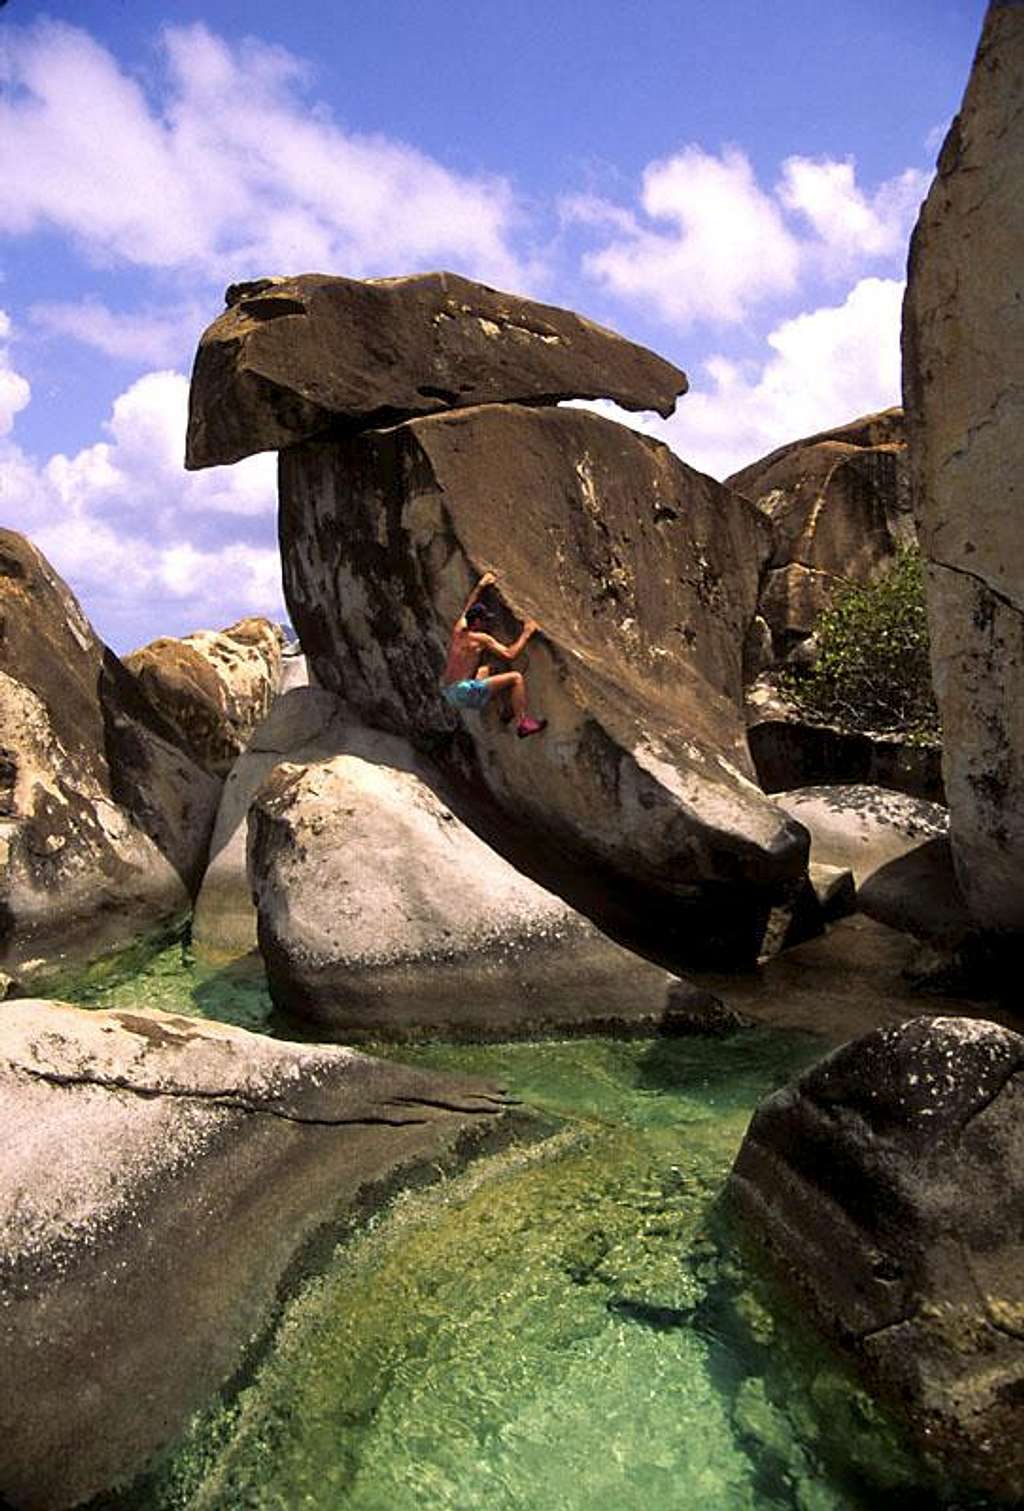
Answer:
[(292, 358), (638, 804)]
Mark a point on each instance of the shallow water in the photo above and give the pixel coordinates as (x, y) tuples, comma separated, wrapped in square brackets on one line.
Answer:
[(563, 1327)]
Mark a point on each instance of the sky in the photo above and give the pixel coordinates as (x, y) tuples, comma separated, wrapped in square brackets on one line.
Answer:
[(729, 182)]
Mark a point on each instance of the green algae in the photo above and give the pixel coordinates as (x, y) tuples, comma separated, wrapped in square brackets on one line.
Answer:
[(562, 1326), (168, 976)]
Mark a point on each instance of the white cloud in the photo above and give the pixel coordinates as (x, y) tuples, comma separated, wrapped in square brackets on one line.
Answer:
[(710, 244), (725, 248), (225, 170), (850, 225), (149, 548), (14, 389), (145, 336), (826, 367)]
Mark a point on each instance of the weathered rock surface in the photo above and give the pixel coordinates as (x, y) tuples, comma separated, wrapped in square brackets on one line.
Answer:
[(839, 508), (963, 382), (293, 357), (381, 915), (104, 820), (159, 1176), (638, 804), (886, 1189), (213, 687)]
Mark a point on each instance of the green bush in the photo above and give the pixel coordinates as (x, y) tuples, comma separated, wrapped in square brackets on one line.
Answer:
[(872, 671)]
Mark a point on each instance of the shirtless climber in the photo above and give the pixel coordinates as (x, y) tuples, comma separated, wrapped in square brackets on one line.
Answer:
[(468, 684)]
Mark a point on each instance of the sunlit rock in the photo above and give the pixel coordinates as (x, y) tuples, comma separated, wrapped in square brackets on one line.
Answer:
[(292, 358)]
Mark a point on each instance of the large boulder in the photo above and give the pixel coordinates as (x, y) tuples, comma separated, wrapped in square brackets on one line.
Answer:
[(963, 381), (161, 1177), (381, 914), (885, 1188), (838, 504), (639, 803), (104, 819), (291, 358), (213, 687)]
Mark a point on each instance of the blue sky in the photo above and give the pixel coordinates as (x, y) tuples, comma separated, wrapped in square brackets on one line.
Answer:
[(730, 182)]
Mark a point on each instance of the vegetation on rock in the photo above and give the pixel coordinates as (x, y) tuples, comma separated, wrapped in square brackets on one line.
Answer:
[(872, 670)]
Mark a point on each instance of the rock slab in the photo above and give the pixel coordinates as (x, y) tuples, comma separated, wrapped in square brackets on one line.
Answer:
[(638, 804), (963, 391), (104, 817), (159, 1176), (885, 1188), (293, 357)]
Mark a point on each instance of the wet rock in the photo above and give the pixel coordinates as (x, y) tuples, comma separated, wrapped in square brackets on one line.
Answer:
[(293, 357), (382, 915), (160, 1175), (839, 508), (963, 381), (638, 804), (884, 1189), (104, 818), (213, 687)]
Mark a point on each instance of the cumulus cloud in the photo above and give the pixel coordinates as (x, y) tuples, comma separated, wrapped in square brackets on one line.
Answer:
[(710, 244), (148, 547), (824, 367), (722, 245), (224, 169)]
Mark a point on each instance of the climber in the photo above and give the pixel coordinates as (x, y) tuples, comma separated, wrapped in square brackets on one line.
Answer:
[(469, 684)]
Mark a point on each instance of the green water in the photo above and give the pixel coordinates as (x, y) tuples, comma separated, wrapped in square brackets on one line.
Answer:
[(565, 1326)]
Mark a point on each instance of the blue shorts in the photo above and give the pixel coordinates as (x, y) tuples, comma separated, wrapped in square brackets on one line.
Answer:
[(471, 693)]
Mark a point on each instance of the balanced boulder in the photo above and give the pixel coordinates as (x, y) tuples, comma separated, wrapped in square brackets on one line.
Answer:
[(638, 804), (160, 1177), (963, 389), (292, 358), (885, 1188), (104, 819), (839, 509), (213, 687)]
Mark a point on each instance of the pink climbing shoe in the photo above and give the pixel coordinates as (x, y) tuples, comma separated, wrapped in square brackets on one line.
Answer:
[(528, 726)]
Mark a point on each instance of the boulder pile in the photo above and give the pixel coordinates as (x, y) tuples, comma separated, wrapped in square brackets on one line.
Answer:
[(639, 805), (105, 816)]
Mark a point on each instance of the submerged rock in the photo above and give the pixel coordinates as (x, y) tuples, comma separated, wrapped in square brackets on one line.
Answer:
[(160, 1175), (213, 687), (839, 508), (104, 818), (638, 804), (963, 382), (293, 357), (885, 1188), (382, 915)]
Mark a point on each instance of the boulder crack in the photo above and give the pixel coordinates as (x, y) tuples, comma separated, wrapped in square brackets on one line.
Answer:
[(1003, 598), (227, 1099)]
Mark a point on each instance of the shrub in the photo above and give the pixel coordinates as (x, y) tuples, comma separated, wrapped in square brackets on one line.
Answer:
[(872, 671)]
